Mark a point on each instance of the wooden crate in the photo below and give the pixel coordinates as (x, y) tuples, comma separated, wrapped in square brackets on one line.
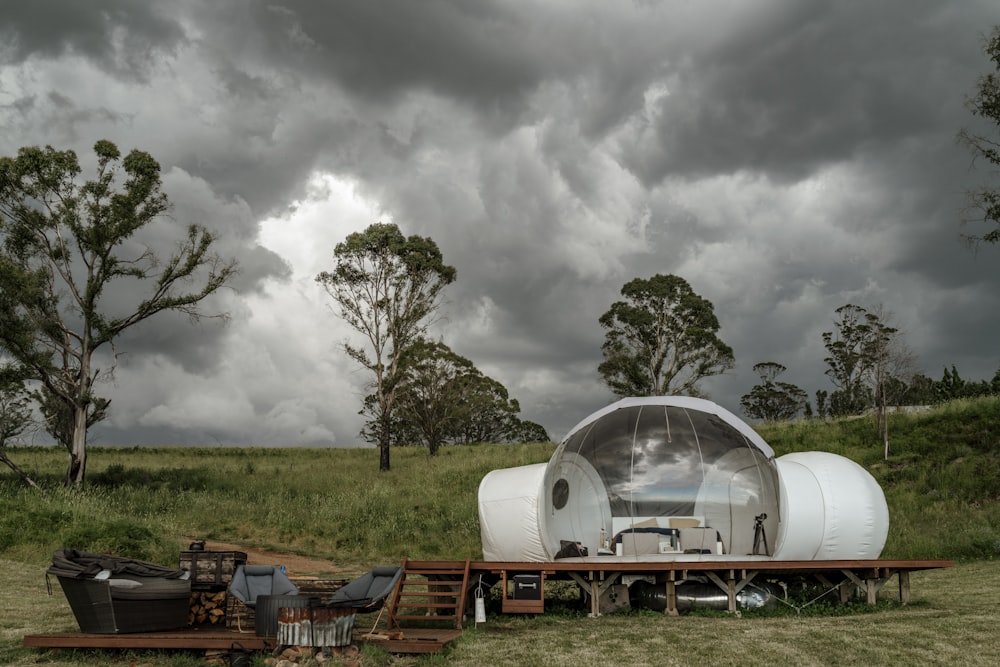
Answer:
[(211, 570), (322, 588)]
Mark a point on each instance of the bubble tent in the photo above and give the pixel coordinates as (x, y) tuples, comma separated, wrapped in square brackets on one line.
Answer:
[(663, 465)]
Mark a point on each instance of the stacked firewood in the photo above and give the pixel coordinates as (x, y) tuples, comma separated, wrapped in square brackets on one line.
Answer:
[(207, 607)]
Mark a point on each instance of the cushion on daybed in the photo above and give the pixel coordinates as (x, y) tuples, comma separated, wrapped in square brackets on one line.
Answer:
[(149, 589)]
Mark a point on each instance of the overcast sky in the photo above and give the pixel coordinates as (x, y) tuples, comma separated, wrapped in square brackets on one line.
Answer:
[(784, 157)]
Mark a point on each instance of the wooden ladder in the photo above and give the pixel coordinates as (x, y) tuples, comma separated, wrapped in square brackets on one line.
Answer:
[(438, 587)]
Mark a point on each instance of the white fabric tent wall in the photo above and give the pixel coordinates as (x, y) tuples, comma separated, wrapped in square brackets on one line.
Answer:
[(508, 514), (587, 510), (832, 509)]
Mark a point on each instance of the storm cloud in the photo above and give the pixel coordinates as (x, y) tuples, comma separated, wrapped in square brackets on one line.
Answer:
[(784, 157)]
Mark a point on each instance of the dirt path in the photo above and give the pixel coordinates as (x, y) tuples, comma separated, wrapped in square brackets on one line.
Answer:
[(294, 564)]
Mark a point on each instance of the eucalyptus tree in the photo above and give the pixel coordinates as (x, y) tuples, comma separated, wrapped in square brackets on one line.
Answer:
[(65, 245), (869, 363), (443, 398), (661, 339), (15, 416), (773, 400), (849, 360), (434, 381), (388, 288), (529, 431), (893, 365), (985, 144), (490, 412)]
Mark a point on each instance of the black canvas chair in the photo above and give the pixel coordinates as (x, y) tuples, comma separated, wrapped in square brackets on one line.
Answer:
[(257, 592), (368, 592), (253, 581)]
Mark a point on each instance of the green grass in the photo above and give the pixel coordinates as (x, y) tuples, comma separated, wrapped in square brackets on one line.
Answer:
[(942, 484), (327, 503)]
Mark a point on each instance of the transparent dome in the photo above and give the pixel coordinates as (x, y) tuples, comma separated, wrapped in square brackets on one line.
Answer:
[(662, 464)]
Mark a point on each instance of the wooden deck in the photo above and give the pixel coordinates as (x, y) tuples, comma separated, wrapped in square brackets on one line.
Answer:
[(416, 640), (195, 637), (410, 640), (593, 575)]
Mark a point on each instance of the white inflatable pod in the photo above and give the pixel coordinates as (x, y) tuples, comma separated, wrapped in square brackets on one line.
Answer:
[(833, 509), (508, 514)]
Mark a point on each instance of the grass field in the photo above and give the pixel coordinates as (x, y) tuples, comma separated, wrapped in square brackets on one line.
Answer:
[(941, 483)]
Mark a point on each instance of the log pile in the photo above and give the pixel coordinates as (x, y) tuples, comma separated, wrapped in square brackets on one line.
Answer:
[(207, 607)]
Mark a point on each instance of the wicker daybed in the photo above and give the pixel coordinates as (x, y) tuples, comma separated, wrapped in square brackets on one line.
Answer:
[(111, 594)]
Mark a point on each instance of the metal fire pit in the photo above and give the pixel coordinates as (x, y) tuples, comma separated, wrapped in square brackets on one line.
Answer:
[(315, 626)]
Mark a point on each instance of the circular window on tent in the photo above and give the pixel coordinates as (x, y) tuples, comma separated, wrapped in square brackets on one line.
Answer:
[(560, 494)]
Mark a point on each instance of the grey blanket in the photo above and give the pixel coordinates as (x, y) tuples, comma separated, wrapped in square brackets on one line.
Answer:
[(74, 564)]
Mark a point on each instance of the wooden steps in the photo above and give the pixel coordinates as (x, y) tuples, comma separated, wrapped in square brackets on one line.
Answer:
[(430, 592)]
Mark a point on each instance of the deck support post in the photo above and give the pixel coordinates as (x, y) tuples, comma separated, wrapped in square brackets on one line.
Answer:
[(904, 586), (671, 608), (871, 584), (855, 581), (595, 596), (595, 584), (731, 587), (871, 590)]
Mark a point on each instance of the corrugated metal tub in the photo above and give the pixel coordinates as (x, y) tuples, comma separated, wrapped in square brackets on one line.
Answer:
[(315, 626)]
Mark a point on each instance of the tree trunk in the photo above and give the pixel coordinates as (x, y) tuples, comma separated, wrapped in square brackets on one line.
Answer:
[(383, 443), (885, 427), (20, 473), (78, 454)]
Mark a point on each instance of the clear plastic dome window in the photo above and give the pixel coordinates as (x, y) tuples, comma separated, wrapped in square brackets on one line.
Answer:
[(652, 464)]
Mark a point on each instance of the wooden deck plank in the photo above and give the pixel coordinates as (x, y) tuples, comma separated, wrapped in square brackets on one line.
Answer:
[(187, 638), (413, 640), (776, 566)]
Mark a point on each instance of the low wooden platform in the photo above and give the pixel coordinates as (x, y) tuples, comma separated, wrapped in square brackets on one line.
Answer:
[(185, 638), (413, 640), (593, 575), (730, 574)]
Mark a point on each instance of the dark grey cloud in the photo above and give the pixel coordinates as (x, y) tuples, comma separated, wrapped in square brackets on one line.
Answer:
[(490, 54), (121, 36), (784, 157), (806, 85)]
